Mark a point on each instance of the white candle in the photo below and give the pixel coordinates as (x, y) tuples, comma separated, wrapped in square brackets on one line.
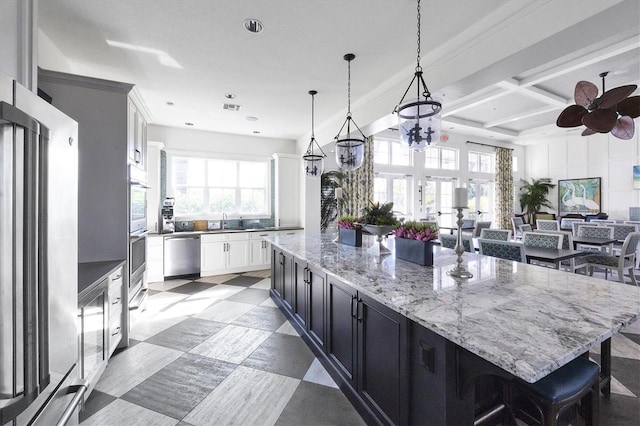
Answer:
[(339, 193), (460, 198)]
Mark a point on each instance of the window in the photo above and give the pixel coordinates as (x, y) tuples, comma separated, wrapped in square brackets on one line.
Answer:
[(441, 158), (207, 186), (391, 152), (481, 162), (393, 188)]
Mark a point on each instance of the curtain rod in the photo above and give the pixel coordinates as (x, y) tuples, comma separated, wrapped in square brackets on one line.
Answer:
[(492, 146)]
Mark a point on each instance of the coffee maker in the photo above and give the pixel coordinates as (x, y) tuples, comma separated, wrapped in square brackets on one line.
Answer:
[(168, 220)]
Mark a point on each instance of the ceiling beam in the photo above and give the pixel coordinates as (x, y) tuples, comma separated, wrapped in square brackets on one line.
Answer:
[(478, 126), (521, 116), (513, 85)]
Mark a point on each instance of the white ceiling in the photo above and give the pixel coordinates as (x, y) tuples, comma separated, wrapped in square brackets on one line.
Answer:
[(505, 68)]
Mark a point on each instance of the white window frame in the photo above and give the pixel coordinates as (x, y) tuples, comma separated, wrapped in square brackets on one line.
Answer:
[(478, 155), (439, 150), (171, 156), (391, 143)]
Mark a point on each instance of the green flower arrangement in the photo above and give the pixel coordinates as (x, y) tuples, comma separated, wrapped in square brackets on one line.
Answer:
[(348, 222), (377, 214)]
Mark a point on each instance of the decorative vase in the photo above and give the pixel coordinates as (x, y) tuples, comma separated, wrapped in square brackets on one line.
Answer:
[(379, 231), (420, 252), (351, 237)]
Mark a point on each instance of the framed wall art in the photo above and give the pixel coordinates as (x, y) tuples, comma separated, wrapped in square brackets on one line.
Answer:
[(579, 196)]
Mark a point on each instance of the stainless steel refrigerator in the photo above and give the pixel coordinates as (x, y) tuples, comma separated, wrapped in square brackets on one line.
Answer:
[(38, 261)]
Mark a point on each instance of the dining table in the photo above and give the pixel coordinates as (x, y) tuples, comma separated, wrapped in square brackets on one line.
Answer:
[(551, 255), (591, 241)]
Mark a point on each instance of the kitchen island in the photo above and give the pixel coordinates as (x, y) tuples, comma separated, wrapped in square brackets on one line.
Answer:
[(441, 338)]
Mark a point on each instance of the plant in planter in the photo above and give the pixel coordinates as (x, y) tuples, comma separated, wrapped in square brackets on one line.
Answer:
[(378, 219), (414, 242), (350, 231), (533, 196)]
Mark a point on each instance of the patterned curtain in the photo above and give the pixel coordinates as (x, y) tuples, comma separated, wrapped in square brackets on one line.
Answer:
[(358, 184), (504, 187)]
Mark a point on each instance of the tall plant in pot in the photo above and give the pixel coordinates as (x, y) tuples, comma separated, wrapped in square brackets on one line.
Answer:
[(533, 196)]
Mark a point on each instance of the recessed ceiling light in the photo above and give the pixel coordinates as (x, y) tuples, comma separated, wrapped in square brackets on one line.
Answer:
[(253, 25), (230, 95), (252, 118), (169, 103), (188, 124)]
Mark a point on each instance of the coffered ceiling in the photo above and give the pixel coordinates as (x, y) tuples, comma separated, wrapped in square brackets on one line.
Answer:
[(504, 68)]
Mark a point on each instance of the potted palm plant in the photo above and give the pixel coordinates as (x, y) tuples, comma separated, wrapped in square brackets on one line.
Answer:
[(330, 206), (533, 196)]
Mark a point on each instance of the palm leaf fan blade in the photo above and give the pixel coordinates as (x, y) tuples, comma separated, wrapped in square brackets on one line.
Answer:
[(611, 97), (601, 120), (571, 116), (585, 93), (624, 128), (629, 107)]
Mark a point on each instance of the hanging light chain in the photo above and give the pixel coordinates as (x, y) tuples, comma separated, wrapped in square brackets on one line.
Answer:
[(418, 68), (313, 101), (349, 88)]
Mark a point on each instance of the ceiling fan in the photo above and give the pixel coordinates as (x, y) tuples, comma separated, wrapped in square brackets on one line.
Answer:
[(613, 112)]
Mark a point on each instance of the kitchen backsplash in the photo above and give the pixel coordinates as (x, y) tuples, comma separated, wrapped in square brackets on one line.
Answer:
[(187, 225)]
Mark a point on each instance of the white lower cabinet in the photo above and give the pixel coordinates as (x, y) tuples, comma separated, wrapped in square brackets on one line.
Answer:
[(224, 253), (260, 249), (155, 258)]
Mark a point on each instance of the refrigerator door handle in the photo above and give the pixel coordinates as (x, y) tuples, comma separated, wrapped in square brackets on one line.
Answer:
[(68, 412), (13, 115)]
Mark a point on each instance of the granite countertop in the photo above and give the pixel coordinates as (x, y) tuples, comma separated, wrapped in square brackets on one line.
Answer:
[(92, 273), (526, 319), (230, 231)]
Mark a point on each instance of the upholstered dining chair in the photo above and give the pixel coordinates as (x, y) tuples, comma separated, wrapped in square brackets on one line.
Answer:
[(565, 223), (496, 234), (626, 260), (601, 221), (547, 225), (542, 240), (620, 232), (450, 241), (575, 227), (467, 225), (634, 213), (596, 232), (525, 228), (479, 227), (509, 250), (575, 263), (516, 222)]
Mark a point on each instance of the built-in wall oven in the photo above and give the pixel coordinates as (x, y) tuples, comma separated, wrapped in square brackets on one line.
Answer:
[(137, 238)]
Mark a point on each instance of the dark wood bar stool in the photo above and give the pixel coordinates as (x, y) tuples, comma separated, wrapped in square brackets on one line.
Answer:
[(576, 382)]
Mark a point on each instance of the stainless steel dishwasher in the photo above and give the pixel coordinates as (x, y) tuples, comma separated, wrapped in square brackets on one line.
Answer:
[(181, 255)]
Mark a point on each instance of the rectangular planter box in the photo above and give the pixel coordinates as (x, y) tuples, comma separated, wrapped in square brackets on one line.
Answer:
[(351, 237), (420, 252)]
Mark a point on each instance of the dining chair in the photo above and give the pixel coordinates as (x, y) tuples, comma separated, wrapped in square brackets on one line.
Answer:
[(468, 225), (479, 227), (575, 263), (626, 260), (620, 232), (596, 232), (634, 213), (542, 240), (601, 221), (575, 227), (515, 223), (637, 224), (547, 225), (525, 228), (450, 241), (565, 223), (509, 250), (496, 234)]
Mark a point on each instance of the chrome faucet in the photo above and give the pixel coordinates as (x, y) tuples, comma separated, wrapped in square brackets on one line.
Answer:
[(224, 219)]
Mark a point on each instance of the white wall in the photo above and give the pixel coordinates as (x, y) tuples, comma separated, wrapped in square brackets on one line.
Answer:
[(600, 155), (50, 57)]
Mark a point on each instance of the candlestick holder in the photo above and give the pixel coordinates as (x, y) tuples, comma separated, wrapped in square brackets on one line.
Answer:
[(459, 271)]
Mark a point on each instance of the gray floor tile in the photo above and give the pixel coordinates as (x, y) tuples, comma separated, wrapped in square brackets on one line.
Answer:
[(225, 311), (96, 402), (250, 295), (313, 404), (233, 343), (243, 280), (282, 354), (180, 386), (619, 410), (187, 334), (192, 287), (121, 412), (262, 317), (318, 374)]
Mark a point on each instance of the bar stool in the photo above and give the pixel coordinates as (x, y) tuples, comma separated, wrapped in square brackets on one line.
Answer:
[(578, 381)]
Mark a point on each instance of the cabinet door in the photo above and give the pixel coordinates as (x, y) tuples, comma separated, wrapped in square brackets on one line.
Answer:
[(288, 280), (266, 253), (382, 359), (341, 327), (300, 276), (131, 131), (213, 256), (316, 289), (237, 254), (277, 268)]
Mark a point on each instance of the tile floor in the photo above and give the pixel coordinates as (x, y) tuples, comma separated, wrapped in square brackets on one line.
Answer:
[(217, 351)]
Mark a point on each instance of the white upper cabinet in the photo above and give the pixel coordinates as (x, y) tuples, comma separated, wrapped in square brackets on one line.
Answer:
[(287, 186)]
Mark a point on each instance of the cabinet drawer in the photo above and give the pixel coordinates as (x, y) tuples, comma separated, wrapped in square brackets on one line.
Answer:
[(291, 232), (213, 238), (260, 235), (115, 332), (238, 236)]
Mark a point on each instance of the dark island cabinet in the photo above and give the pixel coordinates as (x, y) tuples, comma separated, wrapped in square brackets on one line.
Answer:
[(367, 344), (309, 307), (282, 276)]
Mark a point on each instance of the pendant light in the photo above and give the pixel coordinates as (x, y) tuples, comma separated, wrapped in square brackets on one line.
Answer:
[(349, 148), (313, 162), (419, 118)]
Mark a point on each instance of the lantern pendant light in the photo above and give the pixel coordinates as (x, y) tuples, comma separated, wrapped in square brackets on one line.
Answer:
[(349, 148), (419, 118), (313, 162)]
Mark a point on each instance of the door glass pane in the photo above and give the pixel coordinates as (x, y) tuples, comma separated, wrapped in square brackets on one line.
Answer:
[(429, 197), (400, 196), (380, 190), (472, 198), (446, 201)]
